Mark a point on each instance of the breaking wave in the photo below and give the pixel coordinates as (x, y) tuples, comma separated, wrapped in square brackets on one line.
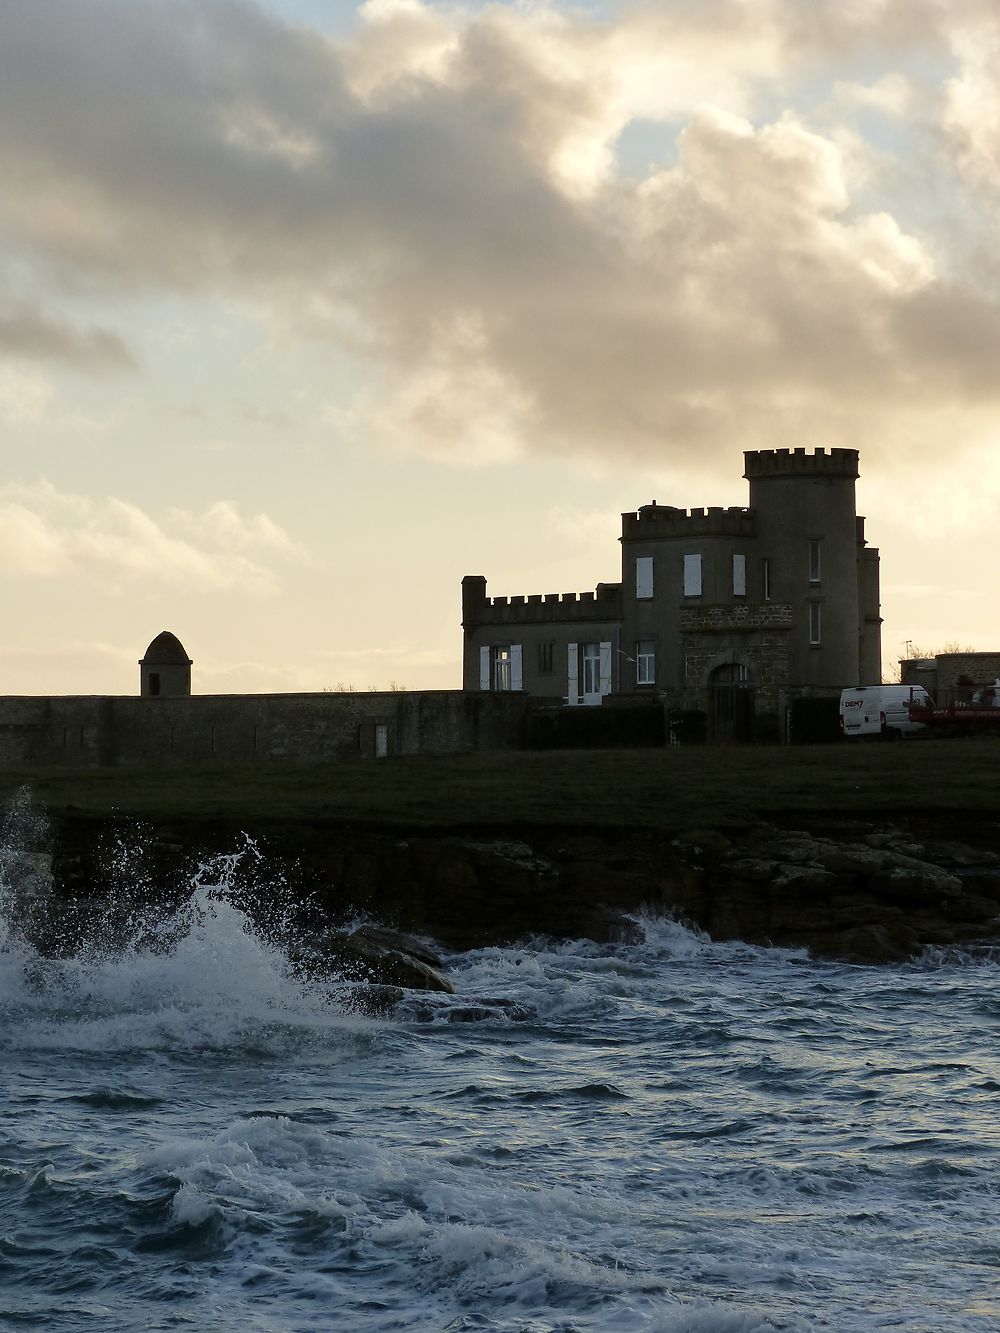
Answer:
[(668, 1136)]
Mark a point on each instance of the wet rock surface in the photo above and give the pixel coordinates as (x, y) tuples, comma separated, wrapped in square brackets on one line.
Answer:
[(386, 961), (864, 892), (863, 896)]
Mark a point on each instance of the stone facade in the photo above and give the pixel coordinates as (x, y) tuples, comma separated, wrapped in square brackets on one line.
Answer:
[(732, 611)]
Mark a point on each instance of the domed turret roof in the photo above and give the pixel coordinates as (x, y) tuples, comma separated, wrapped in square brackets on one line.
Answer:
[(166, 650)]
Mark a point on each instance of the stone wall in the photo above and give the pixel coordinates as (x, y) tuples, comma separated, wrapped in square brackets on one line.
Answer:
[(739, 618), (941, 675), (92, 732), (980, 668)]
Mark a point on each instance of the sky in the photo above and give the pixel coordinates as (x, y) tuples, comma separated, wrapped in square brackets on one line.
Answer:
[(308, 308)]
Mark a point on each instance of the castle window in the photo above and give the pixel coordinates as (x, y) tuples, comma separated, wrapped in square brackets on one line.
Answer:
[(645, 662), (545, 667), (739, 576), (692, 576), (500, 667), (644, 577), (154, 682), (814, 566), (815, 623), (765, 572), (592, 668), (589, 672)]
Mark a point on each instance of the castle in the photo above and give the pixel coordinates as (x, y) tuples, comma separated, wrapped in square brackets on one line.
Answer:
[(727, 613), (735, 611)]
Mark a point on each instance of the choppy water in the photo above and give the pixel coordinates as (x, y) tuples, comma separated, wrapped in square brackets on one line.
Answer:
[(690, 1138)]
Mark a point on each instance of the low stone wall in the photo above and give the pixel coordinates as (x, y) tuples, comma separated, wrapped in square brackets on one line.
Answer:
[(94, 732), (943, 674), (953, 668)]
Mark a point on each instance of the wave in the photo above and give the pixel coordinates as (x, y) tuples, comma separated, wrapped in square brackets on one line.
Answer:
[(207, 973)]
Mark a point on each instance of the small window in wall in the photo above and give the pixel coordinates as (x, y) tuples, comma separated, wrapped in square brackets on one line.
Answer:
[(692, 576), (645, 662), (154, 682), (545, 659), (814, 562), (765, 578), (643, 577), (739, 576), (815, 623), (381, 740)]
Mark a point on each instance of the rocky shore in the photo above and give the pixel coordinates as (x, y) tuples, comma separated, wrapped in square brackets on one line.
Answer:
[(850, 890)]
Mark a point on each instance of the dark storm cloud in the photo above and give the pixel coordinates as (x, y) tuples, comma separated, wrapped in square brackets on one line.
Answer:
[(432, 196), (27, 333)]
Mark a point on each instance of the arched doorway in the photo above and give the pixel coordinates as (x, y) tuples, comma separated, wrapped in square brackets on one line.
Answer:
[(730, 704)]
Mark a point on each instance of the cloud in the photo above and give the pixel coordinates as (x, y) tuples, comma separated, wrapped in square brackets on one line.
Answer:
[(963, 503), (24, 395), (46, 533), (28, 333), (971, 112), (893, 94), (440, 196), (584, 527)]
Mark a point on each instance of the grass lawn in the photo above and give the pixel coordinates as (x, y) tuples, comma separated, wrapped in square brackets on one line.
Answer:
[(671, 789)]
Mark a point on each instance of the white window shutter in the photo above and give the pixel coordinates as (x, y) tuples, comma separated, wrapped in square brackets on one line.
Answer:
[(643, 576), (516, 670), (573, 674), (484, 668), (739, 576), (605, 668), (692, 576)]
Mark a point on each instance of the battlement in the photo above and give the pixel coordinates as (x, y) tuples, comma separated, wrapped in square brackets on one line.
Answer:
[(541, 608), (800, 463), (655, 521)]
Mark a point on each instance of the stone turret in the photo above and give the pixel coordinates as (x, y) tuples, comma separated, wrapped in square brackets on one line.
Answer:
[(808, 530), (165, 670)]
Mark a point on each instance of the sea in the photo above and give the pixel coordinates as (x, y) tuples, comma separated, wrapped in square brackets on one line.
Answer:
[(669, 1135)]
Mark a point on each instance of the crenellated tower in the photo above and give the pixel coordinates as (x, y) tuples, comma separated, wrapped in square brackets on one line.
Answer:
[(814, 557)]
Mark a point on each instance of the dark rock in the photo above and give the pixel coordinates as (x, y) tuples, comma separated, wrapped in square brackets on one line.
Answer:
[(392, 964), (373, 1001), (905, 879), (379, 938), (479, 1009), (971, 907), (983, 882), (753, 871), (868, 944), (370, 955)]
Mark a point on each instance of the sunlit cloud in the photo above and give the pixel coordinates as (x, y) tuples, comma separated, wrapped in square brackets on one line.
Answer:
[(893, 94), (438, 195), (49, 534)]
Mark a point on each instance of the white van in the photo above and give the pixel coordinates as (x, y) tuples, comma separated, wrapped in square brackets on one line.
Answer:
[(881, 710)]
